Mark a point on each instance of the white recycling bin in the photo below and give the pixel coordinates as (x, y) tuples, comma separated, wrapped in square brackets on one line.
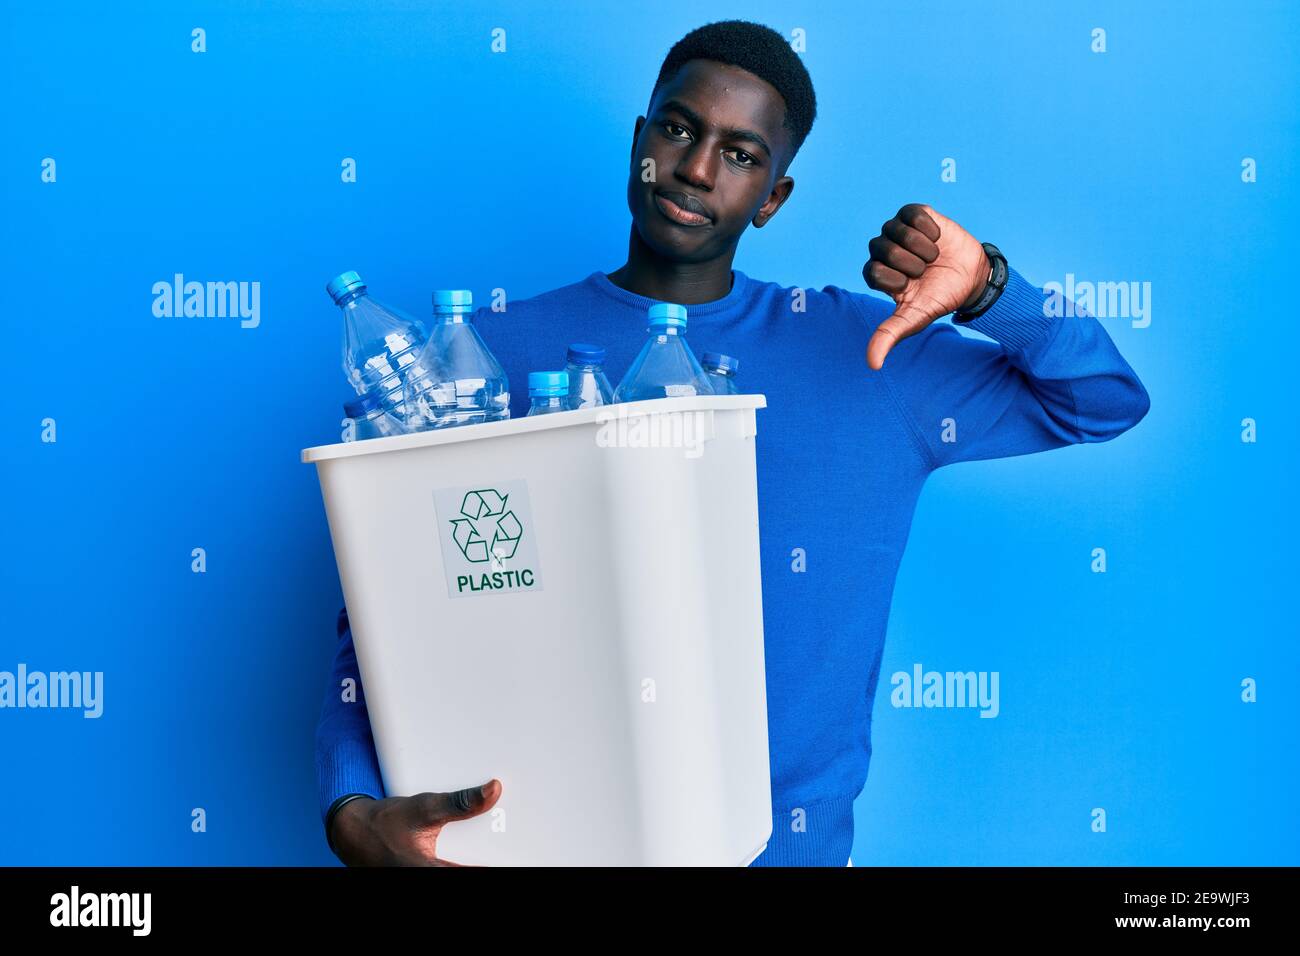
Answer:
[(570, 603)]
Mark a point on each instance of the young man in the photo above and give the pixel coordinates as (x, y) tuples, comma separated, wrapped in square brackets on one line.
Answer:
[(841, 438)]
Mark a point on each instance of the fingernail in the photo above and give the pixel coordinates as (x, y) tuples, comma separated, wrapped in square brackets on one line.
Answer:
[(483, 790)]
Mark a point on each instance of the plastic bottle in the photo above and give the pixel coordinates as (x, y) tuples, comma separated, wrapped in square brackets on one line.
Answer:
[(721, 370), (369, 420), (381, 344), (665, 367), (460, 381), (548, 392), (588, 386)]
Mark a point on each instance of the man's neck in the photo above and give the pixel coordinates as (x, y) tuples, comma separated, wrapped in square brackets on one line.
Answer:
[(688, 283)]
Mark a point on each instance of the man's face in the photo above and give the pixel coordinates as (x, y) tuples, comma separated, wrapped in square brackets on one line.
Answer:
[(717, 139)]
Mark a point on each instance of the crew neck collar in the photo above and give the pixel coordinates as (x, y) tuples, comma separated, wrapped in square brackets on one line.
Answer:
[(739, 289)]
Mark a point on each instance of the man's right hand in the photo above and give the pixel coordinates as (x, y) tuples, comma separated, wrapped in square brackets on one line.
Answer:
[(403, 831)]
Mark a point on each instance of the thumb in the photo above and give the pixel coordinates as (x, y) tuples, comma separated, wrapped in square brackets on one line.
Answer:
[(904, 322), (438, 808)]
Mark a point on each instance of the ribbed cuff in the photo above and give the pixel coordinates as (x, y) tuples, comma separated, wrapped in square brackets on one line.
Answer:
[(1017, 318), (824, 836), (347, 766)]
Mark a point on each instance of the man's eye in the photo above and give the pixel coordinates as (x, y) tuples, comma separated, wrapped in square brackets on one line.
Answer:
[(743, 158), (675, 130)]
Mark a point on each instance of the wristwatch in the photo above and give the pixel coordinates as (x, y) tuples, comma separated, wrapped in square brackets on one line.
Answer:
[(993, 288)]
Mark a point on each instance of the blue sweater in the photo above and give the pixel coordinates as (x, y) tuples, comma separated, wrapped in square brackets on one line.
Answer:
[(1042, 382)]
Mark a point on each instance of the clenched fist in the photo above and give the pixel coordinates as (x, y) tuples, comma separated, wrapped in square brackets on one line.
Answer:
[(929, 265)]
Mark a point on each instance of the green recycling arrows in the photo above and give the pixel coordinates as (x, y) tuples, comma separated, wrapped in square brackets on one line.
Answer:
[(484, 515)]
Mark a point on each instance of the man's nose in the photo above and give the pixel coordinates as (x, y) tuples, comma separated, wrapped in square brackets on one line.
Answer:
[(697, 167)]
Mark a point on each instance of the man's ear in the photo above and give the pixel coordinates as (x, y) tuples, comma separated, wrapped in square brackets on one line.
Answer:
[(636, 135), (781, 190)]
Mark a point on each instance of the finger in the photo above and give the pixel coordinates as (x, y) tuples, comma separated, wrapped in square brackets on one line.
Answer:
[(917, 215), (896, 257), (882, 278), (889, 333), (913, 240), (435, 808)]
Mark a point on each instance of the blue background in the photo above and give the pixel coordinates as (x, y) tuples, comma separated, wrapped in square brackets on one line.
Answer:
[(1118, 690)]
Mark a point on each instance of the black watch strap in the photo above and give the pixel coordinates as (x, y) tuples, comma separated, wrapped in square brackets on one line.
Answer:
[(992, 289), (335, 807)]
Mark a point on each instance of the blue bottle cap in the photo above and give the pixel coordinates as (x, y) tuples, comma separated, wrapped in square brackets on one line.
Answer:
[(718, 360), (668, 314), (583, 353), (361, 406), (548, 383), (453, 300), (343, 284)]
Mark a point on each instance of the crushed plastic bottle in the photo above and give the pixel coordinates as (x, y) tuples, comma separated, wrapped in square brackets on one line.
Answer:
[(460, 381), (381, 344), (369, 420)]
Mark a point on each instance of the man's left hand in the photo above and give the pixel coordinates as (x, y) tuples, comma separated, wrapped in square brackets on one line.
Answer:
[(929, 265)]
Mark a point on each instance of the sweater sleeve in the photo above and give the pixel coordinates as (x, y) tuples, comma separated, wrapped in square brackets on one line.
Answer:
[(1045, 380), (345, 749)]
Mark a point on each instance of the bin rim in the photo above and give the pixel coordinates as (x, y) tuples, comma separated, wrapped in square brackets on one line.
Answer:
[(515, 426)]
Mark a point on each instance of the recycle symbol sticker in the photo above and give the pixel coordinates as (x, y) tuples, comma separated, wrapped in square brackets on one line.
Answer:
[(485, 528)]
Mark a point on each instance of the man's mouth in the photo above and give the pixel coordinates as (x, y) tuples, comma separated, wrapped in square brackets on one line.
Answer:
[(682, 209)]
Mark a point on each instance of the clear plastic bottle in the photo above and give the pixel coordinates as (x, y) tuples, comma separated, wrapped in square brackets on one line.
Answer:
[(665, 367), (548, 392), (721, 370), (381, 344), (369, 420), (588, 386), (460, 381)]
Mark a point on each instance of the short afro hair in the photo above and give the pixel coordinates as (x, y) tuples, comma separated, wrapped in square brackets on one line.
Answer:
[(759, 50)]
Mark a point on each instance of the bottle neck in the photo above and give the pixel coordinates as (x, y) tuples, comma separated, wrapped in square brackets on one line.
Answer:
[(350, 297), (450, 316)]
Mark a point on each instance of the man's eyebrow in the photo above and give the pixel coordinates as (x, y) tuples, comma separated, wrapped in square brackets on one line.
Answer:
[(747, 135)]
